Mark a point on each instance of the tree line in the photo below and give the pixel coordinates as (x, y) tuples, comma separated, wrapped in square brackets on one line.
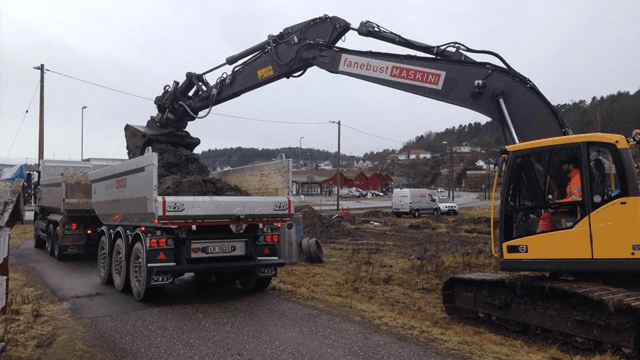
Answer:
[(615, 113)]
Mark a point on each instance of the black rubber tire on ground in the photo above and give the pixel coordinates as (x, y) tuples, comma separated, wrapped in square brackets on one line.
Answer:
[(38, 242), (252, 282), (104, 262), (138, 276), (316, 251), (416, 213), (51, 230), (56, 245), (305, 248), (436, 211), (119, 271), (398, 215)]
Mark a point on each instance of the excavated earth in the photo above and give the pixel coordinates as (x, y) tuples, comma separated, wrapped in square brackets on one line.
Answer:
[(415, 238), (181, 173)]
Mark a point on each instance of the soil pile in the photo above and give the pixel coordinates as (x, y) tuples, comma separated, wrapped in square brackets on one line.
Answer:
[(181, 173)]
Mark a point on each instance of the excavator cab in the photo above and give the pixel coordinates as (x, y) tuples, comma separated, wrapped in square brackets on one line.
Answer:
[(554, 220)]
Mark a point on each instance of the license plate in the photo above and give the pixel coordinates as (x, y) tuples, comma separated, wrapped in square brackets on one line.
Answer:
[(219, 249), (210, 248)]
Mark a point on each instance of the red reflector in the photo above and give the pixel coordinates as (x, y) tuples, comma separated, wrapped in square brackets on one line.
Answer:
[(267, 238), (161, 256), (266, 251), (74, 226), (155, 221), (89, 232), (153, 242), (143, 228), (196, 250), (276, 238), (162, 242)]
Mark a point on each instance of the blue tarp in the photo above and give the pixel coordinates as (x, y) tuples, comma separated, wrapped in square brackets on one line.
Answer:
[(12, 173)]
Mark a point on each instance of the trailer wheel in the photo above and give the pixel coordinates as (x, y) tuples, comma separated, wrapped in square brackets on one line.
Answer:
[(38, 242), (119, 266), (51, 233), (104, 265), (139, 277), (56, 246), (252, 282)]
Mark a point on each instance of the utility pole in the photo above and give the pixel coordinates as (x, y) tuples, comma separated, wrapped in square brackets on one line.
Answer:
[(41, 130), (338, 173), (453, 196)]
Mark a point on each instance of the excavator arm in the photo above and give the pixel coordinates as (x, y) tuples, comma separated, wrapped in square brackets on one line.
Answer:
[(445, 73)]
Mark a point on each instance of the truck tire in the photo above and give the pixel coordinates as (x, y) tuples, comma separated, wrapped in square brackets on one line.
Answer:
[(51, 233), (398, 215), (38, 242), (119, 266), (436, 211), (56, 246), (416, 213), (104, 263), (139, 277), (252, 282)]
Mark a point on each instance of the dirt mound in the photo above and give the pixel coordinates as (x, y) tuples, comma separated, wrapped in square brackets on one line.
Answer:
[(181, 173)]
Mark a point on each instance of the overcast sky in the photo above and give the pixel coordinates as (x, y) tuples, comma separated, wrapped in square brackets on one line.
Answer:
[(572, 50)]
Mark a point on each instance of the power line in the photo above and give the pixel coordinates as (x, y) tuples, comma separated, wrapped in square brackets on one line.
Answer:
[(22, 122), (231, 116), (102, 86), (375, 136)]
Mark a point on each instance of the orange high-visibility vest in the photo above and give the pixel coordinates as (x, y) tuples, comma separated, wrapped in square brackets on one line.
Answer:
[(574, 187)]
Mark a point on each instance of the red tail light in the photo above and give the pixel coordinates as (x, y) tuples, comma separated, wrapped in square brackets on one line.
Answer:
[(276, 238), (153, 242), (267, 238), (74, 226), (143, 228), (89, 232), (162, 242)]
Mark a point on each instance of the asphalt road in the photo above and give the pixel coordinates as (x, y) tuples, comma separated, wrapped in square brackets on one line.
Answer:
[(196, 320), (319, 202)]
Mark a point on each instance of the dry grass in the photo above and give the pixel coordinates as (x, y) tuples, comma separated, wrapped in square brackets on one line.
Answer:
[(374, 277), (36, 325)]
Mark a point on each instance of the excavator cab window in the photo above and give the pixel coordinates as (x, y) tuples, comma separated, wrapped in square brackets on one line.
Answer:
[(604, 180), (543, 192)]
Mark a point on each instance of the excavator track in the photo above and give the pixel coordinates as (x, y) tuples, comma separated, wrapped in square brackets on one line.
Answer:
[(591, 315)]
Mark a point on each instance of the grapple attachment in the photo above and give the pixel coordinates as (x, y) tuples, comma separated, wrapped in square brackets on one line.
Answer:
[(140, 137)]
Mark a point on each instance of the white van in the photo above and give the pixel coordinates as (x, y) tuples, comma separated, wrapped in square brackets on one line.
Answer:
[(412, 202)]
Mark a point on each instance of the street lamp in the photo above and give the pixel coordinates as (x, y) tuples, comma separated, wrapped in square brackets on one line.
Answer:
[(301, 137), (82, 134), (338, 173)]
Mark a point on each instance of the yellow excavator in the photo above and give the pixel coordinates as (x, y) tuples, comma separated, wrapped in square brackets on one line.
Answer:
[(585, 249)]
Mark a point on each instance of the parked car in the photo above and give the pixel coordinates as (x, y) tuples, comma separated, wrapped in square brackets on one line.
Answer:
[(374, 193), (446, 206), (440, 190), (348, 193)]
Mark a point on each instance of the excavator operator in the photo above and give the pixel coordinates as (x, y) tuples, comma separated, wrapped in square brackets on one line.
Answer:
[(571, 167)]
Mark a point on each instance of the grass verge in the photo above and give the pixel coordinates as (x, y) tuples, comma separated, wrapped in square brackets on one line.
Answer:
[(36, 325)]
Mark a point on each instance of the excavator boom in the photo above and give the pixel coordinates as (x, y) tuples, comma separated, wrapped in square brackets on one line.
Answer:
[(445, 73)]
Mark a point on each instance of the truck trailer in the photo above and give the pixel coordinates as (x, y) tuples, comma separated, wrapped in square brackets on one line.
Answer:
[(146, 240), (64, 220)]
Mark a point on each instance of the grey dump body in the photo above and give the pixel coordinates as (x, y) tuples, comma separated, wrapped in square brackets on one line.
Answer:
[(127, 194)]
